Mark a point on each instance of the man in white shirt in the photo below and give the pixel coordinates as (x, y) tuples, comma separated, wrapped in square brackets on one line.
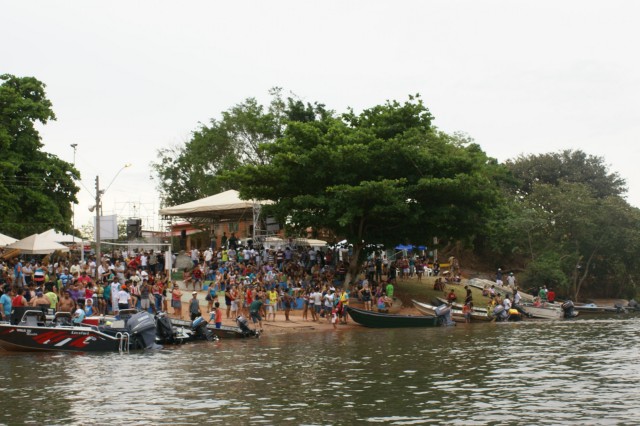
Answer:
[(115, 288), (208, 255), (507, 303)]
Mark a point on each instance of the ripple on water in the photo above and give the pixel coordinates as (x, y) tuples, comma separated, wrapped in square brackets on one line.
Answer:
[(579, 372)]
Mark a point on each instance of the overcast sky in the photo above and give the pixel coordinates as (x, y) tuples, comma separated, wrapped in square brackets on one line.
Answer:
[(129, 77)]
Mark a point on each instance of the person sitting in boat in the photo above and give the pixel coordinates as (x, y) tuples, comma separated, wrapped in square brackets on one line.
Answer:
[(451, 297), (78, 316), (485, 291), (507, 303), (536, 302), (88, 308), (551, 295), (384, 303)]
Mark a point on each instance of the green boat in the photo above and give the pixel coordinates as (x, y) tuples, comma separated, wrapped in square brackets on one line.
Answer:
[(380, 320)]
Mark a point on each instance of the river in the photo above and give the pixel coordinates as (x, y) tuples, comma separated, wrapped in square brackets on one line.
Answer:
[(566, 372)]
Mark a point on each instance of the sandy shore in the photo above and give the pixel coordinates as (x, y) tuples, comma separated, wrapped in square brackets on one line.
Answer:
[(296, 323)]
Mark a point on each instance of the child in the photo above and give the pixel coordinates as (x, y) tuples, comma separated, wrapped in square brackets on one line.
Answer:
[(466, 311), (334, 317), (218, 315)]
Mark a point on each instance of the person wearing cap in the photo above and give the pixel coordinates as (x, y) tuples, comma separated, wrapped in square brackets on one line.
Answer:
[(124, 298), (194, 306), (40, 301), (499, 277)]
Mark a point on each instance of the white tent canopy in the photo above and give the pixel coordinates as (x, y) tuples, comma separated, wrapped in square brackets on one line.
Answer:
[(225, 205), (37, 244), (5, 239), (59, 237), (310, 242)]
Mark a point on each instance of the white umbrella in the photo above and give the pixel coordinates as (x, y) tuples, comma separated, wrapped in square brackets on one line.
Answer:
[(5, 240), (37, 244)]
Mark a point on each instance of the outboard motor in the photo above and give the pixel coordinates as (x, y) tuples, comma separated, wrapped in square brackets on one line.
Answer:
[(619, 308), (568, 309), (443, 312), (500, 313), (142, 329), (243, 323), (164, 328), (200, 330)]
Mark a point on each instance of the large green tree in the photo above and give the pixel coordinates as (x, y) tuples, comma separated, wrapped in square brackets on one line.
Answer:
[(35, 190), (570, 222), (382, 176), (191, 171)]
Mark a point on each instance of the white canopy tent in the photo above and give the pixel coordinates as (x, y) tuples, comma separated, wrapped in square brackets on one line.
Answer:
[(59, 237), (37, 244), (223, 206), (309, 242), (5, 240)]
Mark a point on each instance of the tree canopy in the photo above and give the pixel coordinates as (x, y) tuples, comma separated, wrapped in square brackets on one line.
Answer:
[(572, 225), (387, 175), (35, 190), (382, 176)]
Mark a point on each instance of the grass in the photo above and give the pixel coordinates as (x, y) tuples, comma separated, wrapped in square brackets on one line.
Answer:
[(423, 291)]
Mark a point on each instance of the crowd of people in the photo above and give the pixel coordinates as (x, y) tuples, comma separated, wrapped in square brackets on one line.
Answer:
[(258, 284)]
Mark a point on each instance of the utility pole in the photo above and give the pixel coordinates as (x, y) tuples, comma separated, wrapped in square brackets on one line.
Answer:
[(98, 254)]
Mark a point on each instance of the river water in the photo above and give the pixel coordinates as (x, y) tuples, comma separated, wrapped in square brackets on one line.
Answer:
[(585, 371)]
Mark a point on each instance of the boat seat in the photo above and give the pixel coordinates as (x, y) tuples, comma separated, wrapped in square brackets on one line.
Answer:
[(33, 318)]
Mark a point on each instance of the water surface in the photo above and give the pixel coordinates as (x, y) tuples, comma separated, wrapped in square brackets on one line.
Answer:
[(564, 372)]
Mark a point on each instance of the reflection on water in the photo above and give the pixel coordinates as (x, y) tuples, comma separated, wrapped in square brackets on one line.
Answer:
[(568, 372)]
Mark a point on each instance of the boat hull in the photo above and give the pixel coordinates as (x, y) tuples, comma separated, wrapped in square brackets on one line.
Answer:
[(456, 313), (224, 332), (381, 320), (46, 339)]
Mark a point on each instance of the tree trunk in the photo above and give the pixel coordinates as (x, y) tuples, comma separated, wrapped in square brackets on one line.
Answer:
[(354, 265)]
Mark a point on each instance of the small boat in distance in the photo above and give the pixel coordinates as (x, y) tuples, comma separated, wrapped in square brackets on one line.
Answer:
[(380, 320), (456, 311)]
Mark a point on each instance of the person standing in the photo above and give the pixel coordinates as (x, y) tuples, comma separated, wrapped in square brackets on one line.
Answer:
[(511, 280), (218, 315), (124, 298), (115, 288), (499, 277), (5, 303), (272, 304), (194, 306), (254, 311), (176, 302)]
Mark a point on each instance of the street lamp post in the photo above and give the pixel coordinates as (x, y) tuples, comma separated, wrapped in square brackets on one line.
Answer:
[(98, 207), (98, 214), (73, 206)]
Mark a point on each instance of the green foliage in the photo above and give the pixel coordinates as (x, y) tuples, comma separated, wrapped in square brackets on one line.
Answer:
[(569, 204), (382, 176), (189, 172), (35, 189), (566, 166), (546, 269)]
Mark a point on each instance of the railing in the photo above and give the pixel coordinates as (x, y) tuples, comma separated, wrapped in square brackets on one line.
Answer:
[(123, 346)]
